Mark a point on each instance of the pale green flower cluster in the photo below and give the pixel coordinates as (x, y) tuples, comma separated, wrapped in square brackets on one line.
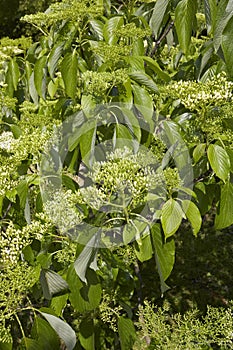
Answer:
[(67, 254), (197, 96), (8, 175), (98, 83), (7, 141), (16, 282), (66, 10), (61, 210), (13, 47), (130, 30), (14, 240), (109, 311), (112, 53)]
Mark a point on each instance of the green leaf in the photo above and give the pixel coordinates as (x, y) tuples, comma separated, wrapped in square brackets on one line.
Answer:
[(224, 216), (84, 260), (127, 333), (87, 141), (97, 26), (45, 335), (199, 152), (58, 303), (6, 346), (157, 17), (40, 72), (210, 7), (144, 102), (185, 16), (52, 283), (84, 297), (143, 248), (171, 217), (164, 255), (156, 68), (32, 89), (177, 149), (54, 57), (219, 161), (144, 80), (22, 191), (64, 331), (227, 47), (110, 29), (86, 334), (136, 63), (193, 215), (69, 72), (13, 73), (224, 12)]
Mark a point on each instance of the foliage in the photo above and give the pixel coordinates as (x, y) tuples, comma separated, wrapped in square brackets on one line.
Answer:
[(116, 130), (161, 330)]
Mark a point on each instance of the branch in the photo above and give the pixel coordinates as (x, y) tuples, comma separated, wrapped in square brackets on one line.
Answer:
[(163, 36)]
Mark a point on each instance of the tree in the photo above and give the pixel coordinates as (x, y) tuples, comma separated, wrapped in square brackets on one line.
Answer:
[(116, 129)]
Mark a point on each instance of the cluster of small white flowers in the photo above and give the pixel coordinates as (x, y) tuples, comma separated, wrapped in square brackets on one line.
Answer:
[(6, 181), (6, 140), (93, 196), (12, 243), (196, 95), (62, 211)]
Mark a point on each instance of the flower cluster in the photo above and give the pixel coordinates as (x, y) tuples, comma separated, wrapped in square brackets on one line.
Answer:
[(70, 10), (12, 243), (7, 140), (98, 83), (112, 53), (130, 30), (197, 96), (16, 283), (61, 209)]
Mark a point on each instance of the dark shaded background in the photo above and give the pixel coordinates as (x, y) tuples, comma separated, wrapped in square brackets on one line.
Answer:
[(12, 10)]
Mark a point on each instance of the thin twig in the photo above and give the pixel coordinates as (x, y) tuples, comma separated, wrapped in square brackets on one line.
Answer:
[(163, 36)]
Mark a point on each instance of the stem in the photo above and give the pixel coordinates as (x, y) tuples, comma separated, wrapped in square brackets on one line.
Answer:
[(163, 36)]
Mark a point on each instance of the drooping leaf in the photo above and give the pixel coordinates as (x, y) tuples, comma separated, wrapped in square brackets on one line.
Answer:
[(44, 335), (84, 296), (69, 72), (143, 248), (32, 89), (97, 26), (110, 29), (87, 334), (219, 161), (185, 16), (40, 72), (54, 57), (64, 331), (127, 333), (156, 68), (210, 7), (171, 217), (52, 283), (224, 12), (13, 73), (157, 17), (58, 303), (224, 216), (144, 80), (226, 43), (199, 152), (193, 215), (87, 141), (144, 102), (164, 255)]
